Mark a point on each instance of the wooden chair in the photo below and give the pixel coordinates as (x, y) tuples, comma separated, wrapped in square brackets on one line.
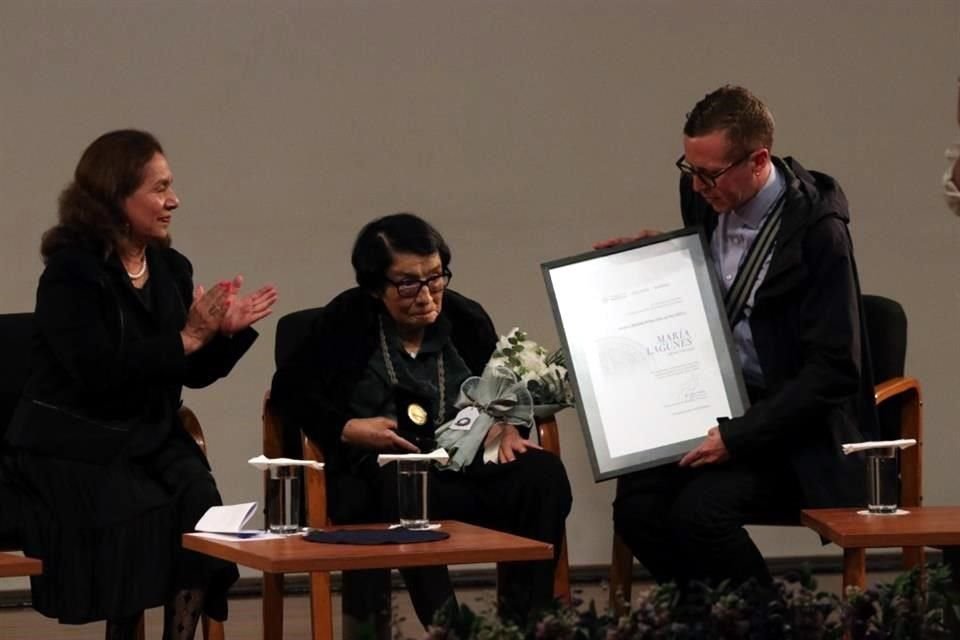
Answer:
[(16, 335), (315, 500), (900, 409), (292, 330)]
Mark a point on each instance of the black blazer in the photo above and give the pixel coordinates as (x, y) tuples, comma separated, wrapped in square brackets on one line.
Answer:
[(808, 329), (99, 356)]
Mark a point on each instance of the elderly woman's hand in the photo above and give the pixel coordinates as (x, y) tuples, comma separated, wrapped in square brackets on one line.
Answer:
[(376, 433), (244, 311), (205, 316), (512, 444)]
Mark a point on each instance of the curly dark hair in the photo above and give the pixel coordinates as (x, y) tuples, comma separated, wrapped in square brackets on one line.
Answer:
[(742, 115), (91, 210), (397, 233)]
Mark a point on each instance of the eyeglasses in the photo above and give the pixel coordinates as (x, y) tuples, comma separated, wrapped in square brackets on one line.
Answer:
[(410, 287), (708, 178)]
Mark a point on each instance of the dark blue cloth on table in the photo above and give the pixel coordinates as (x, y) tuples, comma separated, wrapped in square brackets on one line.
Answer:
[(375, 536)]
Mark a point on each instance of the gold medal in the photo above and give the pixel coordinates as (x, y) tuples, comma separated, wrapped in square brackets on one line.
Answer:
[(417, 414)]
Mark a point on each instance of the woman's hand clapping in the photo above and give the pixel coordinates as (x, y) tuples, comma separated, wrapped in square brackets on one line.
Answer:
[(221, 310), (205, 315), (244, 311)]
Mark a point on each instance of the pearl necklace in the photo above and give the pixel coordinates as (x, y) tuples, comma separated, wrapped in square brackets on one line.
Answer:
[(138, 274)]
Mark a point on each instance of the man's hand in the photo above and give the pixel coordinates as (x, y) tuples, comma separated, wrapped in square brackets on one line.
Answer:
[(710, 451), (614, 242), (512, 444), (376, 433)]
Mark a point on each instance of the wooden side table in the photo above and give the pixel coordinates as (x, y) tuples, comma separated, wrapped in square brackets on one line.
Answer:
[(13, 565), (855, 533), (467, 544)]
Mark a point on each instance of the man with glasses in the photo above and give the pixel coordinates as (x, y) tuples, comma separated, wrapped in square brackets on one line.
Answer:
[(779, 241)]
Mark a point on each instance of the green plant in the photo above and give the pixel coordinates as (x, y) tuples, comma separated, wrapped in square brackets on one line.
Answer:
[(791, 609), (903, 609)]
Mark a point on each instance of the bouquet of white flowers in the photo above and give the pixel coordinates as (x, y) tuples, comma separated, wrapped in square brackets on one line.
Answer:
[(543, 372), (521, 382)]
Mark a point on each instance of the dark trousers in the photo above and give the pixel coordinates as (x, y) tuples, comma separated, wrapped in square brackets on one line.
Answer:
[(687, 524), (529, 497)]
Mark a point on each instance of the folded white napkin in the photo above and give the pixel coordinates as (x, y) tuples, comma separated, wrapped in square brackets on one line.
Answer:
[(878, 444), (263, 463), (229, 518), (437, 455)]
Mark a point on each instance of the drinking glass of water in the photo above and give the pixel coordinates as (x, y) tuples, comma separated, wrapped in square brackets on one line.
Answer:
[(883, 482), (283, 499), (412, 479)]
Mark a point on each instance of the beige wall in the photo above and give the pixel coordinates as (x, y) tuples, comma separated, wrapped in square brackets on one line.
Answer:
[(524, 130)]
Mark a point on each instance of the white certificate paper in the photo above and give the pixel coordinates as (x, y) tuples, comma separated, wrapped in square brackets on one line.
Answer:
[(648, 348)]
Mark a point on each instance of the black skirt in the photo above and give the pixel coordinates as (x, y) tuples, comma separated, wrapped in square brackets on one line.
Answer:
[(109, 535)]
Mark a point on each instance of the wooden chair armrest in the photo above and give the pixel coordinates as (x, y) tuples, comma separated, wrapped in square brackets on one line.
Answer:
[(911, 426), (316, 486), (896, 386), (272, 430), (192, 426), (549, 435)]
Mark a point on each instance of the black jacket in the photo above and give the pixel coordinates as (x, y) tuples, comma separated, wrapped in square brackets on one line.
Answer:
[(313, 391), (809, 332), (101, 360)]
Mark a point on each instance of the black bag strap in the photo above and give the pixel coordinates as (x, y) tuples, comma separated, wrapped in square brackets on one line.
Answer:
[(735, 300)]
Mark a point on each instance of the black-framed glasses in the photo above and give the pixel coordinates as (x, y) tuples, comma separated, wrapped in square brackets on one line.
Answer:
[(410, 287), (708, 178)]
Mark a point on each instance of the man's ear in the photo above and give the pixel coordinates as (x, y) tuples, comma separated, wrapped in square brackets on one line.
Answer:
[(760, 159)]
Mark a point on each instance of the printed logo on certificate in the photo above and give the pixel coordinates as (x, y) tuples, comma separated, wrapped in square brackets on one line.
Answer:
[(648, 348)]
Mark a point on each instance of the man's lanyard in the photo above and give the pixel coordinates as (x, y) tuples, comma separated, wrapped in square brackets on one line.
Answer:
[(736, 297)]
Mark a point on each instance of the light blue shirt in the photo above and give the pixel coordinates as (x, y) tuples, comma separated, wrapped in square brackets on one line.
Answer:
[(735, 233)]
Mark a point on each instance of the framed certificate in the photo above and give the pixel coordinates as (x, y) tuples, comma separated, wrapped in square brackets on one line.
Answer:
[(648, 348)]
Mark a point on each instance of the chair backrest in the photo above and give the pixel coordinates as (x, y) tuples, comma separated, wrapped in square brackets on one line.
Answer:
[(887, 339), (16, 340), (292, 330)]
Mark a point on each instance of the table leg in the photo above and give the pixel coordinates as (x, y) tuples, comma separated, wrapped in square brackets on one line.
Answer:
[(913, 557), (272, 606), (321, 606), (854, 568)]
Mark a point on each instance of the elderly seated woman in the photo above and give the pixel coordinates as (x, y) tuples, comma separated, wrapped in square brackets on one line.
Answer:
[(403, 327)]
